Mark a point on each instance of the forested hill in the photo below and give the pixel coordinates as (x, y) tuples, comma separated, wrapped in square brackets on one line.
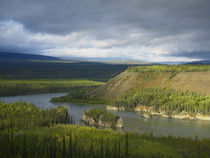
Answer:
[(192, 78), (28, 66), (8, 56)]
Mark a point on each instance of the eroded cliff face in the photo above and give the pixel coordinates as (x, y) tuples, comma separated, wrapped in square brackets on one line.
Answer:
[(198, 82), (89, 120), (119, 123), (115, 108), (149, 111)]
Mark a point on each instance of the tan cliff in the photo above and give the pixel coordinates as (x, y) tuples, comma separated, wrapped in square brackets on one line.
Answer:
[(198, 82), (89, 120), (195, 81), (115, 108), (148, 112)]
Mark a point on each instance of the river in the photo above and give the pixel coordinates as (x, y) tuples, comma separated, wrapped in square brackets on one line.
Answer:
[(132, 120)]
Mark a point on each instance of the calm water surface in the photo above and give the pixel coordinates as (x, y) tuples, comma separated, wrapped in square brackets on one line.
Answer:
[(132, 120)]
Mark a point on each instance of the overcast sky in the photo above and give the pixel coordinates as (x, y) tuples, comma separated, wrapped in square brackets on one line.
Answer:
[(146, 30)]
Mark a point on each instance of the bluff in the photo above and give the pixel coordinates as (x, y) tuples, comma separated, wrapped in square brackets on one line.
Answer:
[(193, 78), (170, 91)]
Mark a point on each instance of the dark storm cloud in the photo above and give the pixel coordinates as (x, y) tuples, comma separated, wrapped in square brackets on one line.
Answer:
[(201, 55), (13, 49), (180, 28)]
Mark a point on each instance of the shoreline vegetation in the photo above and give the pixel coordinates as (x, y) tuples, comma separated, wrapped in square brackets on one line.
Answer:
[(148, 112), (152, 100), (21, 87), (81, 95), (165, 102), (149, 102), (27, 131)]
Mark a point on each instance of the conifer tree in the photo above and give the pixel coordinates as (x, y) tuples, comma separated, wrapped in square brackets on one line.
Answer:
[(75, 145), (107, 148), (70, 146), (119, 148), (126, 146), (24, 154), (64, 147), (115, 148), (102, 148)]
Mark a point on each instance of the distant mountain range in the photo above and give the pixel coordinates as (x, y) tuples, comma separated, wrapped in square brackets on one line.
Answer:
[(120, 61), (7, 56), (11, 56), (200, 62)]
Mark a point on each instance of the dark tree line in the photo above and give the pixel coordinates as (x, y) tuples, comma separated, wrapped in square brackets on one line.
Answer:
[(69, 146), (170, 68), (64, 140), (81, 95), (21, 115), (17, 87)]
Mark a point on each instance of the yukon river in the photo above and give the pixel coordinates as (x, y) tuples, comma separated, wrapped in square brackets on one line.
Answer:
[(132, 120)]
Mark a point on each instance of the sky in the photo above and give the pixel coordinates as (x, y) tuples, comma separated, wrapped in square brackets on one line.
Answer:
[(144, 30)]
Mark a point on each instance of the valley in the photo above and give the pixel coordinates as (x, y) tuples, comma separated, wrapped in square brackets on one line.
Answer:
[(105, 79), (150, 105)]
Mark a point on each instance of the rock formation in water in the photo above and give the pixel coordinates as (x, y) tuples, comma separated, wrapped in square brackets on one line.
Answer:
[(102, 118), (148, 112)]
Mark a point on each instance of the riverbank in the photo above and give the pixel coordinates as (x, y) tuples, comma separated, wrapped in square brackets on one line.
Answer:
[(132, 121), (148, 112), (21, 87), (81, 95), (49, 134)]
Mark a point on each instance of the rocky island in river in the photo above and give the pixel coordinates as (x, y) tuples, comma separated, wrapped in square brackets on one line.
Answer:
[(102, 118)]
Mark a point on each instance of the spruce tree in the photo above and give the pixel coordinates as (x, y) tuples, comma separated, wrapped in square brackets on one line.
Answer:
[(119, 148), (70, 146), (64, 147), (24, 154), (75, 146), (126, 146), (102, 148)]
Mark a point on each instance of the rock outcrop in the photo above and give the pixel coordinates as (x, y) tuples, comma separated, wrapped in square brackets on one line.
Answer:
[(148, 112), (115, 108), (117, 123), (89, 120)]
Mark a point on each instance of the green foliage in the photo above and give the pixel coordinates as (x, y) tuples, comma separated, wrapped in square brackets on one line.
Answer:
[(80, 95), (105, 115), (152, 72), (170, 68), (61, 141), (165, 99), (21, 115), (17, 87)]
